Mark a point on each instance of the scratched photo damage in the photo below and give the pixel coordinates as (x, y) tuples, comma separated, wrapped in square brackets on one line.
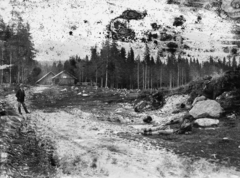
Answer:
[(119, 88)]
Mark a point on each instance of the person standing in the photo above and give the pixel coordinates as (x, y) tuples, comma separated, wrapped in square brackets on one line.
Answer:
[(20, 98)]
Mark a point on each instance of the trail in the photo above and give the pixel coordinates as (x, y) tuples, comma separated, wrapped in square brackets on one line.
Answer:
[(87, 147)]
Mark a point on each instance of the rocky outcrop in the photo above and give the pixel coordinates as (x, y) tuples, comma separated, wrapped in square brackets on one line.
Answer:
[(206, 122), (147, 101), (230, 101), (207, 108), (227, 82), (175, 103)]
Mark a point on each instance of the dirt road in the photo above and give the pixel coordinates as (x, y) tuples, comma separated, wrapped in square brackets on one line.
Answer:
[(87, 147)]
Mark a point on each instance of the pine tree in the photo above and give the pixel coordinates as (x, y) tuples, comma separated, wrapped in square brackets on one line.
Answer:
[(95, 62), (105, 58), (123, 68), (130, 67), (54, 68), (159, 69), (146, 62), (59, 66), (234, 63)]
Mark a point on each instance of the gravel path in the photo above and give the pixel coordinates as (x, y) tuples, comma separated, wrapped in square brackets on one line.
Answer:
[(87, 147)]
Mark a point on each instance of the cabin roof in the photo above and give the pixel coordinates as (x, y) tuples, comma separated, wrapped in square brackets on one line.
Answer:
[(62, 73), (45, 76)]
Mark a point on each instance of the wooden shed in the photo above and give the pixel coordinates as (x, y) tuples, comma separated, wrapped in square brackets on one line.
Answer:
[(46, 79), (64, 78)]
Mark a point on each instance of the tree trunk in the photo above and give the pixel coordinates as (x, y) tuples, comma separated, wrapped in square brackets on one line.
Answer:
[(10, 81), (19, 73), (146, 81), (148, 77), (81, 75), (143, 76), (101, 82), (2, 69), (183, 78), (160, 78), (151, 81), (138, 75), (130, 82), (22, 74), (170, 80), (106, 79), (178, 77), (96, 77)]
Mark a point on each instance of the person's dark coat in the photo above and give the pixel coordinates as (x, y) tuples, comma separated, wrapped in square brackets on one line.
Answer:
[(20, 95)]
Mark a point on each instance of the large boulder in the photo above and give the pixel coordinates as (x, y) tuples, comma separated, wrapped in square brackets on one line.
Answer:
[(206, 122), (206, 108)]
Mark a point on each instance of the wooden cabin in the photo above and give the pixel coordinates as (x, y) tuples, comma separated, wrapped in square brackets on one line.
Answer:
[(64, 78), (46, 79)]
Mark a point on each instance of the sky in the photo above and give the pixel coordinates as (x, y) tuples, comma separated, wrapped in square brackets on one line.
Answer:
[(52, 20)]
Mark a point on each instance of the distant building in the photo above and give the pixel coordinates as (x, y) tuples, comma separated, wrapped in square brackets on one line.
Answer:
[(46, 79), (64, 78)]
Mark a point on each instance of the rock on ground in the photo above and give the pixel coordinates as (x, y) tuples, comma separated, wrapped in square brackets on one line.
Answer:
[(197, 99), (186, 124), (147, 119), (206, 122), (207, 108)]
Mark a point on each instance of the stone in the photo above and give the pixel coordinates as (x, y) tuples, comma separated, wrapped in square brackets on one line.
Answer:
[(141, 106), (206, 122), (147, 119), (206, 108), (231, 116), (84, 94), (186, 124), (116, 118), (197, 99), (176, 118)]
